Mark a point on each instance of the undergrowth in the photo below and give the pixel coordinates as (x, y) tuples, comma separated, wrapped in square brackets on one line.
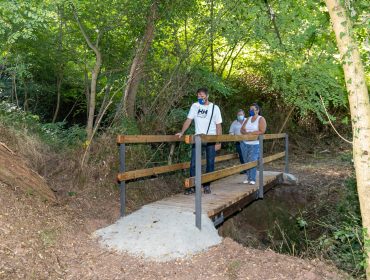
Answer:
[(56, 135), (55, 151), (335, 234)]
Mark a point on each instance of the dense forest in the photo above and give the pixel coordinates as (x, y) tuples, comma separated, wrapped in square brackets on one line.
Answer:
[(66, 61), (74, 74)]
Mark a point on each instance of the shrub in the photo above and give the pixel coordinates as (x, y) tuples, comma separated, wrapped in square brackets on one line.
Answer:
[(56, 135)]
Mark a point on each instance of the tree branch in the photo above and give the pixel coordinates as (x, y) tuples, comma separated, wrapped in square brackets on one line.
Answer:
[(326, 112)]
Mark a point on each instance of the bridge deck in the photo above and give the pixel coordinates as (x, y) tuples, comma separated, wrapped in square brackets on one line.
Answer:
[(228, 196)]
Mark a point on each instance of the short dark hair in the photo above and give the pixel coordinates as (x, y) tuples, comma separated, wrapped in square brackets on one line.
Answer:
[(258, 108), (241, 111), (205, 90)]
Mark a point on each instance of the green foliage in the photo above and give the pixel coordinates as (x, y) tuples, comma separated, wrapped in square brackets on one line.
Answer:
[(335, 233), (343, 241), (54, 134), (72, 193), (125, 126), (294, 54)]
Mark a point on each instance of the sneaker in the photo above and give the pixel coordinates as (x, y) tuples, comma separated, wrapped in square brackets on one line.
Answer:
[(252, 183), (189, 191), (207, 189), (245, 181)]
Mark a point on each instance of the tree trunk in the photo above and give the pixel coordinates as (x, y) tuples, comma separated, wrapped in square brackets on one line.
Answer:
[(234, 58), (60, 64), (226, 59), (94, 74), (359, 106), (105, 101), (212, 38), (94, 78), (272, 16), (14, 89), (25, 103), (59, 85), (136, 70), (87, 89)]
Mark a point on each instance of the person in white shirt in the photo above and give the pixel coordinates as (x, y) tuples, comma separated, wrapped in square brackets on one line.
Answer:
[(207, 119), (235, 130), (254, 125)]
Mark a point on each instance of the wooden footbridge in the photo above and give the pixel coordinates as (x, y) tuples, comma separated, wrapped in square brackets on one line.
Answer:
[(229, 195)]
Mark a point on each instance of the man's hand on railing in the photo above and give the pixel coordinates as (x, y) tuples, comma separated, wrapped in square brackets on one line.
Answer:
[(218, 147), (180, 134)]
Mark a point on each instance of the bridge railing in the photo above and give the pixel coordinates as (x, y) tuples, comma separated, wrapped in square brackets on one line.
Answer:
[(199, 179)]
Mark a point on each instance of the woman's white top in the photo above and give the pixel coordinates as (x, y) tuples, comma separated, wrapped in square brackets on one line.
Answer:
[(235, 127), (252, 127)]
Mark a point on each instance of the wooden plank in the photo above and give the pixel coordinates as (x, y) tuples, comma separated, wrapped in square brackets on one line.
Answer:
[(273, 157), (228, 195), (130, 139), (273, 136), (231, 209), (140, 173), (189, 139), (236, 199), (212, 176), (230, 202)]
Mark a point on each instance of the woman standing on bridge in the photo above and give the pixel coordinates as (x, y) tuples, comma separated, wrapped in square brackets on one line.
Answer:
[(254, 125)]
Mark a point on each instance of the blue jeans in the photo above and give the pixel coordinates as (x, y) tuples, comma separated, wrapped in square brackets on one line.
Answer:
[(210, 159), (250, 153)]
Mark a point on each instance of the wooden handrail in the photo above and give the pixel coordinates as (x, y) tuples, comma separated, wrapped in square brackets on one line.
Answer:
[(189, 139), (212, 176), (274, 136), (140, 173), (136, 139)]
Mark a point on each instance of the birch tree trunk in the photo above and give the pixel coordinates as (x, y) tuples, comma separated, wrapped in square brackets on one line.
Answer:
[(359, 106)]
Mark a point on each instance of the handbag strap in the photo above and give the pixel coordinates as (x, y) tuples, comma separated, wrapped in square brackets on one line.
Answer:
[(213, 107)]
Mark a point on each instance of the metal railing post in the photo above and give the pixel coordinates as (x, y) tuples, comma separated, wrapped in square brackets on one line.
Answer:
[(198, 182), (260, 167), (122, 184), (286, 169)]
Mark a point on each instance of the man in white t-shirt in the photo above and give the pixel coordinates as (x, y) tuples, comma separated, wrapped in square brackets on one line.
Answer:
[(207, 119)]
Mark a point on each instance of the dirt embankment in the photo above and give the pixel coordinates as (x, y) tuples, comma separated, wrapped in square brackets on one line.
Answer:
[(15, 172)]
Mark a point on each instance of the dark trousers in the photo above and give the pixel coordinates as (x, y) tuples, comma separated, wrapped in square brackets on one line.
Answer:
[(239, 151), (210, 159)]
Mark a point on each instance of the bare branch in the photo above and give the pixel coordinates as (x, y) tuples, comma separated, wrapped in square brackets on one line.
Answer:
[(326, 112)]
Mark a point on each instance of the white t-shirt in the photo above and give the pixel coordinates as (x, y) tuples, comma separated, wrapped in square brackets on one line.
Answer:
[(235, 128), (201, 114)]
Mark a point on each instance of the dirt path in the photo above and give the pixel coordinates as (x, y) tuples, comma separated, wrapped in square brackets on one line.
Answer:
[(42, 241)]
